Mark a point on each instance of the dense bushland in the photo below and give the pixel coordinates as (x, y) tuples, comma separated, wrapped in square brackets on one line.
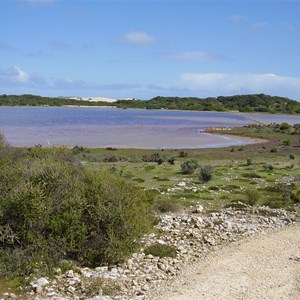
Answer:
[(242, 103), (51, 209)]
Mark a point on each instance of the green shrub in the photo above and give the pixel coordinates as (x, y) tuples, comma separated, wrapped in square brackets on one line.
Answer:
[(206, 173), (292, 156), (171, 160), (167, 205), (286, 142), (268, 167), (250, 197), (273, 150), (249, 161), (161, 250), (52, 209), (189, 166), (251, 175)]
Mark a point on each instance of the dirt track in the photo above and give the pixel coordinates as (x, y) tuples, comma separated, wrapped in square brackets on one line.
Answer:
[(257, 268)]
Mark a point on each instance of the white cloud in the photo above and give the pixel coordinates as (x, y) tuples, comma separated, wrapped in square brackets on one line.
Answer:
[(193, 56), (13, 75), (20, 74), (138, 38), (214, 84)]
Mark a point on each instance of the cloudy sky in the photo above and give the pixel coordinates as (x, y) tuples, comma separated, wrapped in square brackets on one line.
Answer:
[(145, 48)]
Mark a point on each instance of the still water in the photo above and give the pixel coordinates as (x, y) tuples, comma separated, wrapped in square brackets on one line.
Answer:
[(130, 128)]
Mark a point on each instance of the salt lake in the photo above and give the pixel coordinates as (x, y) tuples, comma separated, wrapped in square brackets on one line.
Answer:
[(123, 128)]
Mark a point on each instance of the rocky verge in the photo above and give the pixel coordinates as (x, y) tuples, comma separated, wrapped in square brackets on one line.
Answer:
[(193, 234)]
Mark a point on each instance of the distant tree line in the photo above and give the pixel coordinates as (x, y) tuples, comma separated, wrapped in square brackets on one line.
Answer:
[(241, 103), (33, 100)]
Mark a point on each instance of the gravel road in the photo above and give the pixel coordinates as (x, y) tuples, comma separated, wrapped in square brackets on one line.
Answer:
[(263, 267)]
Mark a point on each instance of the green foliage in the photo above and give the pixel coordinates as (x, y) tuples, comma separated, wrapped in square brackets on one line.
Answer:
[(242, 103), (161, 250), (286, 142), (154, 157), (273, 150), (53, 209), (206, 173), (292, 156), (284, 126), (249, 161), (171, 160), (117, 214), (189, 166), (250, 197), (268, 167), (33, 100), (167, 205)]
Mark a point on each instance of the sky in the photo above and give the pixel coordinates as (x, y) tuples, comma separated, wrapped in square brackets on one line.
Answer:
[(147, 48)]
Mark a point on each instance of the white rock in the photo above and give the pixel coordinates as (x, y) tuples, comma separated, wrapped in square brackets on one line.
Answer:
[(42, 281)]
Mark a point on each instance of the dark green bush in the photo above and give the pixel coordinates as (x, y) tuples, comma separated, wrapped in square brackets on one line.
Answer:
[(206, 173), (52, 209), (268, 167), (292, 156), (249, 161), (116, 215), (189, 166), (161, 250), (171, 160)]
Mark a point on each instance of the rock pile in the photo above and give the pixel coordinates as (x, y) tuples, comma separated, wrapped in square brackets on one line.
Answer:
[(192, 234)]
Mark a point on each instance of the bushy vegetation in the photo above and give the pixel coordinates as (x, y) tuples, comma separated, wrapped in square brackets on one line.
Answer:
[(189, 166), (52, 209), (34, 100), (242, 103), (206, 173)]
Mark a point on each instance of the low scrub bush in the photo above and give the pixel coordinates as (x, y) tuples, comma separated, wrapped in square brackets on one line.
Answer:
[(206, 173), (53, 209), (171, 160), (268, 167), (250, 197), (161, 250), (167, 205), (189, 166), (251, 175)]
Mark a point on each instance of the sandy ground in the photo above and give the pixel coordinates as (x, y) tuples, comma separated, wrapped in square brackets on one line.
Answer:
[(257, 268)]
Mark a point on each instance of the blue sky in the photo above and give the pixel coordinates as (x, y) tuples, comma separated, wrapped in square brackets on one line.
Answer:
[(143, 48)]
